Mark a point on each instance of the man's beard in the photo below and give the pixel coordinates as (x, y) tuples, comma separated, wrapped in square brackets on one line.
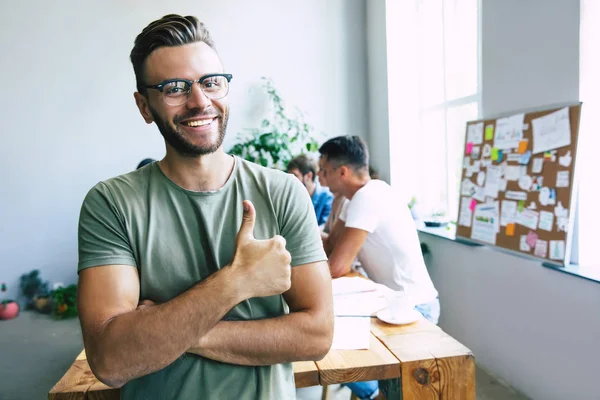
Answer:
[(179, 142)]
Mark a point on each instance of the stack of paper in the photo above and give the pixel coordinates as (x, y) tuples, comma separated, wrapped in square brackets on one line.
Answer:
[(358, 297), (351, 333), (346, 285)]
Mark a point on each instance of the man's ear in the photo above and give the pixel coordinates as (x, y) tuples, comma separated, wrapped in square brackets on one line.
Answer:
[(344, 171), (142, 102), (309, 176)]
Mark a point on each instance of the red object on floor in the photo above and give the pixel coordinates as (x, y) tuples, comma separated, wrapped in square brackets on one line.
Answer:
[(9, 310)]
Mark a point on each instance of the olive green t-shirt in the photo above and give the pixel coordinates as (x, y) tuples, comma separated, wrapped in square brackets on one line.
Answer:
[(176, 238)]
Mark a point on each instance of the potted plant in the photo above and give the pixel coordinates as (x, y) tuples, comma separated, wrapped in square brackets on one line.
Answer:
[(281, 136), (9, 309), (35, 291), (64, 302)]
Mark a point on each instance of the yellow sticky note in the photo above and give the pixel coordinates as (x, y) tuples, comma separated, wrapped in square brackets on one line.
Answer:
[(510, 230), (489, 132), (522, 146), (494, 155)]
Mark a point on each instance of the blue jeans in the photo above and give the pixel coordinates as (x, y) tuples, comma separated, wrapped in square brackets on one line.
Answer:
[(370, 389)]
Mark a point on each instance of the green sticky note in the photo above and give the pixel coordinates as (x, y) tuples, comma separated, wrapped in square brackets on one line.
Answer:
[(494, 153), (521, 206), (489, 132)]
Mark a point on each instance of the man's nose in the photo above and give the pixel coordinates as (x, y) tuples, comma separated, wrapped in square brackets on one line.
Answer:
[(197, 98)]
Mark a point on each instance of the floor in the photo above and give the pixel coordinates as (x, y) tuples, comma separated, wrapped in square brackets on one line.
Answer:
[(35, 351)]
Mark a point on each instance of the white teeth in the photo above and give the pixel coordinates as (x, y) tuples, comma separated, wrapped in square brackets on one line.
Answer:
[(201, 122)]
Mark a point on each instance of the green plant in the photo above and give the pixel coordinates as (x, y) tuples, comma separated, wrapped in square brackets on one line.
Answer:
[(32, 286), (64, 302), (280, 137)]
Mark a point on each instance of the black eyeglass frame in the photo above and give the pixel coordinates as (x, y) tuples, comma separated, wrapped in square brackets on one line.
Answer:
[(162, 84)]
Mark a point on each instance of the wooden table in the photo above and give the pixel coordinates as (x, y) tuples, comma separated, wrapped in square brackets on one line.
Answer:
[(420, 361)]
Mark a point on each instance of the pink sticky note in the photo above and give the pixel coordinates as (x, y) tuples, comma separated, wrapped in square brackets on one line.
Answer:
[(469, 148), (532, 239), (473, 205)]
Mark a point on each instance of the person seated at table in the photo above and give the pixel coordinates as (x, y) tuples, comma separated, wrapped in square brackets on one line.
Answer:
[(378, 229), (305, 170)]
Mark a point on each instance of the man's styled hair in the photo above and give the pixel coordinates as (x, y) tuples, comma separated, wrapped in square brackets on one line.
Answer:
[(171, 30), (347, 150), (303, 164)]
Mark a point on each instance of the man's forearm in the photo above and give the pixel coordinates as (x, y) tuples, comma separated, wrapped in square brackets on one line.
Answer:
[(148, 339), (298, 336)]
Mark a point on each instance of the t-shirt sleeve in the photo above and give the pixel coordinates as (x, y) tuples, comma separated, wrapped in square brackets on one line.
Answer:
[(102, 236), (361, 212), (298, 224)]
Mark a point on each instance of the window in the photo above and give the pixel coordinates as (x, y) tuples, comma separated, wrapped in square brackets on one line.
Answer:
[(589, 140), (445, 58)]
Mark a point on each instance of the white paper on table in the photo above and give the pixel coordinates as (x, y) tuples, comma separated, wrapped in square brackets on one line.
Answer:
[(355, 284), (513, 195), (509, 132), (475, 133), (511, 172), (485, 223), (562, 179), (466, 215), (551, 131), (508, 211), (546, 220), (538, 165), (362, 304), (528, 218), (557, 249), (351, 333)]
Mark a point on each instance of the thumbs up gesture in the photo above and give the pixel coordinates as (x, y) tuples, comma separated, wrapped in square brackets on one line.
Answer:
[(265, 263)]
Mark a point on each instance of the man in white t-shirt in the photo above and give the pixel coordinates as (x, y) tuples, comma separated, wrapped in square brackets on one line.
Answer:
[(378, 229)]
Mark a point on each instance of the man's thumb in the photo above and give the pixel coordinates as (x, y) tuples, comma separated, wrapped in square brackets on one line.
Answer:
[(247, 228)]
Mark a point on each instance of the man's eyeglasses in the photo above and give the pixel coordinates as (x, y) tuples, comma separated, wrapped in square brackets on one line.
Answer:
[(176, 92)]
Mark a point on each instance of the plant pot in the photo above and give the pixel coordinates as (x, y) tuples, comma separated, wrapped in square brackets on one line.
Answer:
[(42, 304), (9, 310)]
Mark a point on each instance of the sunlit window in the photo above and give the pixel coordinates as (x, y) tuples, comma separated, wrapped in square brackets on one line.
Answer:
[(445, 55)]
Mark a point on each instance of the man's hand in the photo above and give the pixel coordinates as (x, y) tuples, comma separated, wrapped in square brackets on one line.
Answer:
[(264, 263)]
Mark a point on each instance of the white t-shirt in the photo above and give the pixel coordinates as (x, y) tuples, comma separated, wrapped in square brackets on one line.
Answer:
[(391, 254)]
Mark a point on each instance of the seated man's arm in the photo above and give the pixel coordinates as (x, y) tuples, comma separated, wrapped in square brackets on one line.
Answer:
[(331, 239), (123, 342), (345, 251), (304, 334)]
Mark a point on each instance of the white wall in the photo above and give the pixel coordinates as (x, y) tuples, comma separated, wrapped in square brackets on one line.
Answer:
[(534, 327), (530, 54), (377, 137), (69, 119)]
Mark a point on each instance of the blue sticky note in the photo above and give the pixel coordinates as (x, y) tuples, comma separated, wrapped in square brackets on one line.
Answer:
[(524, 160)]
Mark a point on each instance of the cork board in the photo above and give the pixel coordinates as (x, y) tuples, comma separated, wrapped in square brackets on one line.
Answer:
[(517, 186)]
